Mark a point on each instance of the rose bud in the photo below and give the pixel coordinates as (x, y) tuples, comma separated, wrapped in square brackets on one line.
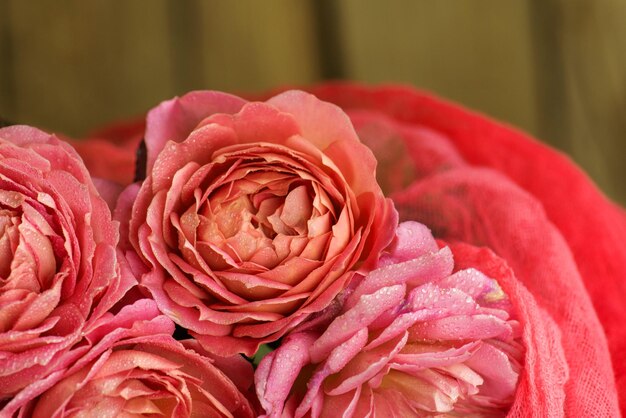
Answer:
[(253, 215), (417, 337), (58, 266)]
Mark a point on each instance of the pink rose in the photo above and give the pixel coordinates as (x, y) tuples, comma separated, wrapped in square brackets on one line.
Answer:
[(417, 336), (58, 265), (128, 364), (253, 215)]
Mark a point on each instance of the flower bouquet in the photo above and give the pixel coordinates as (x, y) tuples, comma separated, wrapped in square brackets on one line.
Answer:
[(348, 251)]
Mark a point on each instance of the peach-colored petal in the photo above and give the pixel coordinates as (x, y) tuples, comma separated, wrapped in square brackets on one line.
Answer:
[(174, 119), (258, 122), (329, 129), (251, 217), (412, 240), (133, 372), (276, 372)]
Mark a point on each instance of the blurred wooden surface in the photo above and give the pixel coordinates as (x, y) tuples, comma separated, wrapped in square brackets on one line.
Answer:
[(555, 68)]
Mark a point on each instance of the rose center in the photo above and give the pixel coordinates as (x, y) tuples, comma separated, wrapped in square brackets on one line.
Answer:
[(243, 222), (28, 260)]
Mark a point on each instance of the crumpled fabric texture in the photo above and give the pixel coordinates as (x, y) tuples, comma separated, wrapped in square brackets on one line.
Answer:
[(475, 180)]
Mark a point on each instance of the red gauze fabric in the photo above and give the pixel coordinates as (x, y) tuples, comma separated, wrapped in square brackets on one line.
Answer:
[(110, 153), (474, 180)]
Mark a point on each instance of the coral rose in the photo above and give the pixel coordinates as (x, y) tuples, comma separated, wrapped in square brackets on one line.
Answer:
[(129, 365), (253, 215), (156, 376), (58, 265), (416, 337)]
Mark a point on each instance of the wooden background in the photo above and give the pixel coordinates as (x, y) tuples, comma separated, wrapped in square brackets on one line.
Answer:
[(555, 68)]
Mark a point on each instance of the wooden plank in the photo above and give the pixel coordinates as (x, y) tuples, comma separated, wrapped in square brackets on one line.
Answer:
[(476, 52), (554, 68), (588, 79), (7, 92), (328, 29), (250, 45), (187, 57), (78, 64)]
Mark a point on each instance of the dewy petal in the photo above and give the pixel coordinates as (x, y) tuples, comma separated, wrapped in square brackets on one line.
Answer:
[(259, 122), (337, 359), (297, 209), (366, 365), (174, 119), (344, 352), (493, 365), (398, 326), (39, 309), (461, 327), (419, 392), (362, 314), (64, 261), (279, 369), (344, 404), (427, 268), (330, 130), (442, 302), (473, 283), (416, 356), (196, 149), (413, 240)]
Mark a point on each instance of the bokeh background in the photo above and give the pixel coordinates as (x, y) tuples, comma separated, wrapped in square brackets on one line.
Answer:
[(554, 68)]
